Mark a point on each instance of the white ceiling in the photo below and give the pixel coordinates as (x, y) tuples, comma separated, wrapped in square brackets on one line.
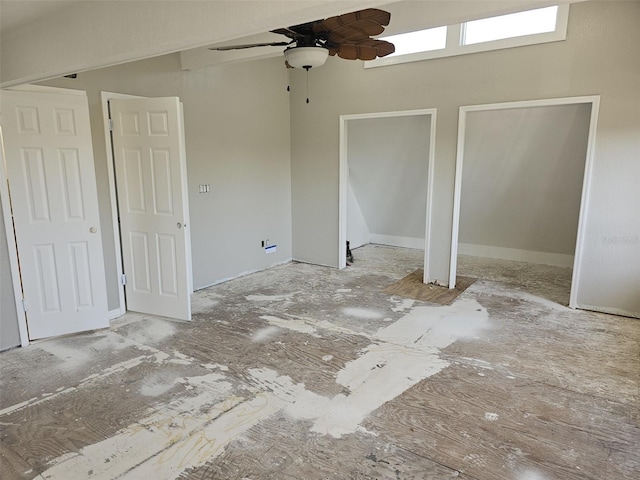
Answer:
[(406, 15)]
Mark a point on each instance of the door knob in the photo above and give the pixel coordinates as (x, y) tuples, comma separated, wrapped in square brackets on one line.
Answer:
[(179, 225), (93, 230)]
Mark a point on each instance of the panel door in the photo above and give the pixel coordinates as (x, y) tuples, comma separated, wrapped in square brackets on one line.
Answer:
[(50, 168), (150, 169)]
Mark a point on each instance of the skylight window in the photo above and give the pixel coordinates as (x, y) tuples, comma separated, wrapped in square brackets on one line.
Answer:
[(519, 29), (531, 22), (420, 41)]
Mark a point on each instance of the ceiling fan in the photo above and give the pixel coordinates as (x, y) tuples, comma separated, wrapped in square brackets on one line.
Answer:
[(348, 36)]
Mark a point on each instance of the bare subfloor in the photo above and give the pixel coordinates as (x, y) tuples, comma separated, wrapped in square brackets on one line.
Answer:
[(306, 372)]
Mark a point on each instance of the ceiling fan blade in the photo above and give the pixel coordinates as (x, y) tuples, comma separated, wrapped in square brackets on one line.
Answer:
[(353, 26), (303, 29), (368, 49), (382, 47), (288, 32), (251, 45)]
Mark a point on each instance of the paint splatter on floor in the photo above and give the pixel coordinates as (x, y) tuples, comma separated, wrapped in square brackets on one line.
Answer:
[(322, 384)]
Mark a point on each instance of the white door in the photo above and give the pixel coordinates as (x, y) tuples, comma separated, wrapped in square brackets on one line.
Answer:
[(52, 185), (150, 164)]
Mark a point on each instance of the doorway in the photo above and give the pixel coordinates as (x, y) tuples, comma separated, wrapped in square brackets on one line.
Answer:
[(522, 177), (386, 178), (149, 203)]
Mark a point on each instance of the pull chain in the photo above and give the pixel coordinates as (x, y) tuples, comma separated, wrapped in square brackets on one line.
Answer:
[(289, 86)]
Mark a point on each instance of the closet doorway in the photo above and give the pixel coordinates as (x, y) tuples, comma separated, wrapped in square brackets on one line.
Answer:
[(386, 174), (522, 177)]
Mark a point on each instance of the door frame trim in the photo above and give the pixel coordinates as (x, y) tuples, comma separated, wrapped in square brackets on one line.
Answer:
[(111, 173), (594, 100), (344, 178)]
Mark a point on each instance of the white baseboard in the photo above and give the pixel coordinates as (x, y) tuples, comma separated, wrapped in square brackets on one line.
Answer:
[(544, 258), (397, 241), (609, 310), (243, 274)]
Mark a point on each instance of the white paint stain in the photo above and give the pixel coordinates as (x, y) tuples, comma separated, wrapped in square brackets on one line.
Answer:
[(343, 290), (297, 401), (181, 359), (401, 355), (297, 325), (156, 385), (477, 363), (197, 425), (204, 300), (215, 366), (182, 434), (531, 475), (162, 381), (475, 460), (158, 357), (327, 358), (70, 358), (490, 417), (182, 356), (488, 288), (204, 444), (364, 313), (437, 326), (402, 304), (270, 298), (265, 334), (308, 325), (151, 331)]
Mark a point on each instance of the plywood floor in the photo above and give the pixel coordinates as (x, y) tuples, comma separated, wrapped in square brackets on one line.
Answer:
[(412, 286), (305, 372)]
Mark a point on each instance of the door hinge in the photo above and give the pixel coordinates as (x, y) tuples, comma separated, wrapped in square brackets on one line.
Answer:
[(110, 123), (25, 307), (123, 279)]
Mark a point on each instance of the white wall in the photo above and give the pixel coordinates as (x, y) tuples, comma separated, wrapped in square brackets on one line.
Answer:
[(357, 229), (9, 332), (388, 159), (600, 56), (522, 178), (237, 141)]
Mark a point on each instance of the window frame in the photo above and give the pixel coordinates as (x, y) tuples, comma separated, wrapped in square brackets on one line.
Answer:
[(455, 47)]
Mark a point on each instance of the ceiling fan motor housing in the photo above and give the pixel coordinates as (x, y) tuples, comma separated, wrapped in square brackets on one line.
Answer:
[(306, 57)]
